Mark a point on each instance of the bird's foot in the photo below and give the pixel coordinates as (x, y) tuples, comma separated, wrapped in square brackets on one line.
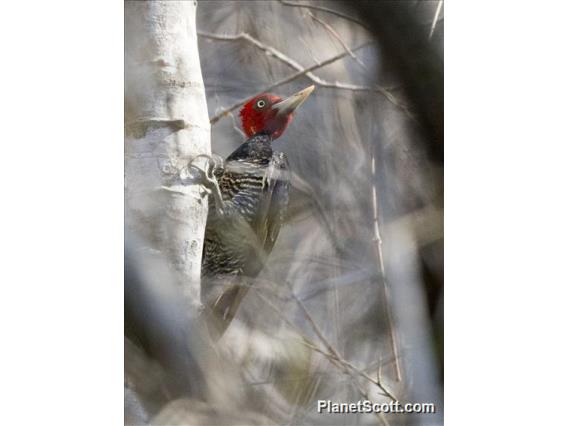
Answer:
[(201, 170)]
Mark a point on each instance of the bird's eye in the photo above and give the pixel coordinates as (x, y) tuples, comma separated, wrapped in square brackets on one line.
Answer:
[(261, 103)]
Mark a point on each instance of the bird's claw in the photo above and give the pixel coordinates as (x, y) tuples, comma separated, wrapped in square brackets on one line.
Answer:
[(202, 172)]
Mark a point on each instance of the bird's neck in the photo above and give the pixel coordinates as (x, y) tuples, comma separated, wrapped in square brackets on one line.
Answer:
[(264, 135), (257, 149), (260, 146)]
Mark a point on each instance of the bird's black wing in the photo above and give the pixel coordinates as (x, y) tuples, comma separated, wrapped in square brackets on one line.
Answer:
[(274, 202)]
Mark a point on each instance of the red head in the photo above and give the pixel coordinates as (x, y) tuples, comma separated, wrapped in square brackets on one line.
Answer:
[(270, 114)]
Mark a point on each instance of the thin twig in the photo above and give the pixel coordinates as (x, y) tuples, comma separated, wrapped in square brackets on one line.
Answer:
[(269, 50), (331, 349), (435, 20), (307, 72), (309, 50), (379, 250), (380, 367), (336, 35), (380, 415), (331, 354), (389, 96), (236, 127), (363, 393), (234, 120), (325, 9), (286, 80)]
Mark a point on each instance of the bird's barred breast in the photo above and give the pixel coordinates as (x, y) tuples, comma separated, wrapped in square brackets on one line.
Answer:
[(242, 177)]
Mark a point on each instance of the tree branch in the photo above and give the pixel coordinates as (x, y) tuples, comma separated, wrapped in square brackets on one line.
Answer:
[(332, 355), (285, 80), (336, 35), (307, 72), (327, 10), (435, 20), (332, 350), (380, 258)]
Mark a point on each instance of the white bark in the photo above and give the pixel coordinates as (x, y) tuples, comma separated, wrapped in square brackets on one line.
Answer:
[(166, 126)]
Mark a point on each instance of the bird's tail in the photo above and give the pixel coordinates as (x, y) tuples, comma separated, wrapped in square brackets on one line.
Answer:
[(221, 305)]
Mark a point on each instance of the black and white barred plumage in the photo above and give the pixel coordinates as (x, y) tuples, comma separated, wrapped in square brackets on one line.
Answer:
[(254, 183)]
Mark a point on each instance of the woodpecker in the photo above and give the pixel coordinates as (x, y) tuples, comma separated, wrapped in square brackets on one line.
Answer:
[(245, 217)]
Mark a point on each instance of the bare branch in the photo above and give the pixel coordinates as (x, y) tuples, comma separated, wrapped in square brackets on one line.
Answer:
[(335, 35), (341, 363), (269, 50), (345, 86), (309, 50), (236, 127), (332, 350), (307, 72), (334, 358), (233, 119), (286, 80), (435, 20), (380, 415), (325, 9), (386, 294)]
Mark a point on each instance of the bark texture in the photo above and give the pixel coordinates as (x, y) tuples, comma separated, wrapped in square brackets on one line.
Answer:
[(166, 126)]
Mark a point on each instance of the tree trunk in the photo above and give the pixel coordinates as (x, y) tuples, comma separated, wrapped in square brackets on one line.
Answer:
[(166, 126)]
